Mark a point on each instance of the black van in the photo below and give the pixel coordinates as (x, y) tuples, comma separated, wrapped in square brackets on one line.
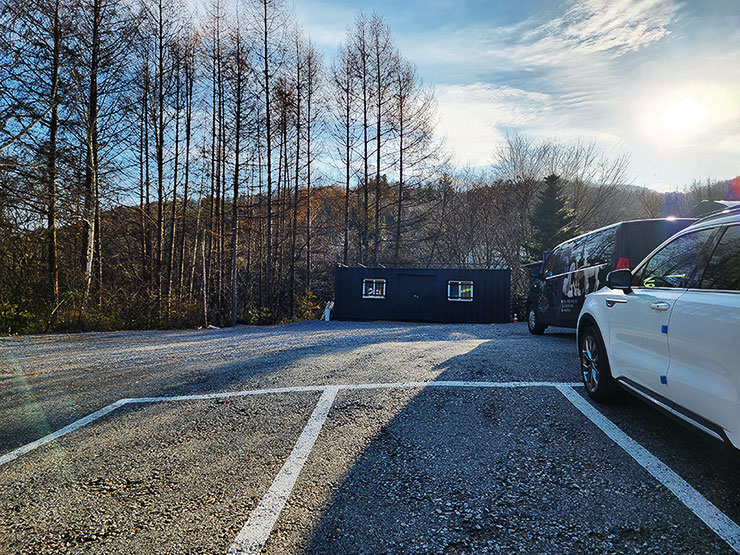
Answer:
[(579, 266)]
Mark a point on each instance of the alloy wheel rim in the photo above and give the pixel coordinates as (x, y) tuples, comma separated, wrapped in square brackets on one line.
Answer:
[(532, 319), (590, 363)]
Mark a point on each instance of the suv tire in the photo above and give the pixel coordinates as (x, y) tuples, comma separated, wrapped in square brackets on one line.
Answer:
[(595, 371)]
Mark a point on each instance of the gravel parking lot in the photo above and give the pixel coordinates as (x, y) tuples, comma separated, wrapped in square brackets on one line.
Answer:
[(449, 454)]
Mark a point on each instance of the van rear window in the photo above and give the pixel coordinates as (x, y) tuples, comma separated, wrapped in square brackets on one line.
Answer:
[(643, 237), (599, 247)]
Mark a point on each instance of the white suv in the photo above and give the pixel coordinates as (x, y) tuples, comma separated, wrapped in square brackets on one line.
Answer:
[(669, 330)]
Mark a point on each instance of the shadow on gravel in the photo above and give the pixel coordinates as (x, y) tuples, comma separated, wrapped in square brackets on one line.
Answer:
[(520, 358), (31, 408), (51, 381), (500, 470)]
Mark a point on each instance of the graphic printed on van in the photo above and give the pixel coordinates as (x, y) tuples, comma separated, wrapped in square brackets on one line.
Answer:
[(578, 267)]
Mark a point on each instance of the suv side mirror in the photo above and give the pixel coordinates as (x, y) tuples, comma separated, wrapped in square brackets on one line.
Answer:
[(619, 279)]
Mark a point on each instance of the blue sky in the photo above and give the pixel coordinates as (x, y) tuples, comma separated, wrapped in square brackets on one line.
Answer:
[(657, 79)]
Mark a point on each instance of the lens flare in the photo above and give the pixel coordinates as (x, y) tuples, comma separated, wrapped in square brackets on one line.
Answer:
[(735, 184), (684, 115)]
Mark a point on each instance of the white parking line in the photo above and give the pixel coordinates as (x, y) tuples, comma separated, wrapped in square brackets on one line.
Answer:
[(304, 388), (77, 424), (718, 521), (229, 394), (506, 385), (255, 532)]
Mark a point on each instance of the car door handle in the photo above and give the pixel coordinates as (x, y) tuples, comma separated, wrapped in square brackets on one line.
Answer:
[(611, 302), (660, 306)]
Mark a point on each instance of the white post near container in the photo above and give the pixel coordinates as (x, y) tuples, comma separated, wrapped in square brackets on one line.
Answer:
[(327, 311)]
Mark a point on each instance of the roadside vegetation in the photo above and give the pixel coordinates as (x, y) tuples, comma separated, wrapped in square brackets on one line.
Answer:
[(164, 167)]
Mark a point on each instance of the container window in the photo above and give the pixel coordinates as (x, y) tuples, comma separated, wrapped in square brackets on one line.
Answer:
[(459, 290), (373, 289)]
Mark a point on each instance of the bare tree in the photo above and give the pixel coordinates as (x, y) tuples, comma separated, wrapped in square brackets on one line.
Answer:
[(414, 122), (360, 45), (384, 64), (268, 21), (33, 83), (189, 76), (314, 117), (240, 69), (343, 95)]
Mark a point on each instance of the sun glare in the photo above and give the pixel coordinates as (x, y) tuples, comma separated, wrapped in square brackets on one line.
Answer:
[(672, 118), (684, 115)]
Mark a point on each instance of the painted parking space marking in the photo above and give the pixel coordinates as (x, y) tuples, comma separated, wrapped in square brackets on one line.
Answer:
[(255, 532), (719, 522), (77, 424), (261, 521)]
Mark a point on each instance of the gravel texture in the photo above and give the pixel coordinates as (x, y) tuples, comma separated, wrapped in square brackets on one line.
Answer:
[(434, 470), (500, 472), (162, 478)]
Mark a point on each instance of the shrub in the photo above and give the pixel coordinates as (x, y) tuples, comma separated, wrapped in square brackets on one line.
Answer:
[(308, 307)]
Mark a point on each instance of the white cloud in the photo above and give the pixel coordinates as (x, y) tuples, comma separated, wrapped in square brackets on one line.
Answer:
[(474, 118), (580, 69), (604, 27), (470, 117)]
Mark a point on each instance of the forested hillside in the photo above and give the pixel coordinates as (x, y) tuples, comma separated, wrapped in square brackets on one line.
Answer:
[(162, 165)]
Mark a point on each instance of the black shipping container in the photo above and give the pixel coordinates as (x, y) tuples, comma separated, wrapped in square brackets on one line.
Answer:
[(426, 295)]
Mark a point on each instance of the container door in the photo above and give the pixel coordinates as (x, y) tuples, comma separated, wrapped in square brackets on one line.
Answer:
[(416, 297)]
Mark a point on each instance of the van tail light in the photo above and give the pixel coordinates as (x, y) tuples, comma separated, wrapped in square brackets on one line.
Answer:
[(623, 264)]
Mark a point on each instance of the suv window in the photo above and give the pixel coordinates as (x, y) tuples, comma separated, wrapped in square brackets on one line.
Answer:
[(673, 265), (723, 270)]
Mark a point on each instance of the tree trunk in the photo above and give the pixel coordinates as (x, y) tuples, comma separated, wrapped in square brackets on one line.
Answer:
[(235, 204), (260, 222), (365, 184), (52, 163), (91, 157), (98, 240), (297, 173), (348, 169), (379, 95), (188, 123), (173, 213), (220, 173), (268, 137), (204, 289), (147, 197), (142, 217), (309, 98), (400, 188), (160, 154)]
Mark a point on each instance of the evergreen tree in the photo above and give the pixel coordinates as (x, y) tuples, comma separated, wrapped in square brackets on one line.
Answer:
[(551, 220)]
